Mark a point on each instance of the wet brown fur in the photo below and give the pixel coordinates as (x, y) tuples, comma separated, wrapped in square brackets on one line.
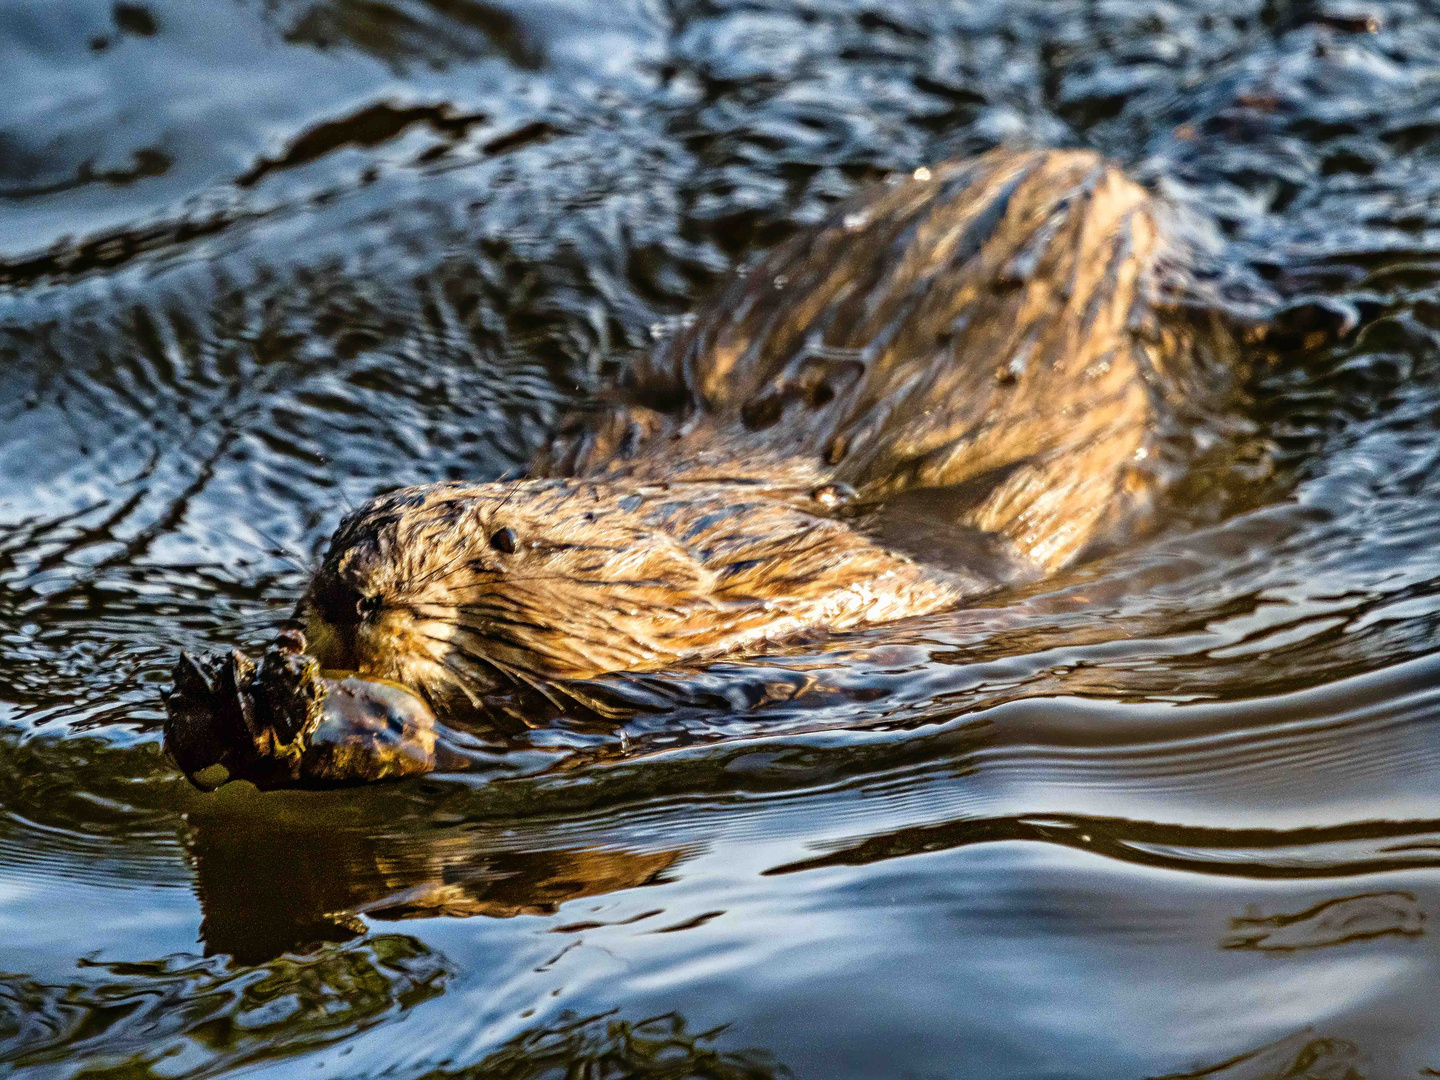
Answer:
[(1007, 333)]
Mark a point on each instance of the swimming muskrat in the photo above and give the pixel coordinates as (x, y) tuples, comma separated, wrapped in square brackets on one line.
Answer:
[(1004, 347)]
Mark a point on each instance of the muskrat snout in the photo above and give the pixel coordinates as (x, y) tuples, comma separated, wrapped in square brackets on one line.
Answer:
[(341, 602)]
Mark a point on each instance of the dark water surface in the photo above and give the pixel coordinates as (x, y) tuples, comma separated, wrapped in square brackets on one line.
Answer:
[(1176, 813)]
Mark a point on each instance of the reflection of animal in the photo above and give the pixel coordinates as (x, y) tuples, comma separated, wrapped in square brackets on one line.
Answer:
[(282, 885), (990, 342)]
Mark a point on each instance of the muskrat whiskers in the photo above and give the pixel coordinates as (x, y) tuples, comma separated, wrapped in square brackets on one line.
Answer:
[(539, 685), (514, 488), (635, 583), (461, 678), (490, 635), (443, 571), (516, 676), (498, 616)]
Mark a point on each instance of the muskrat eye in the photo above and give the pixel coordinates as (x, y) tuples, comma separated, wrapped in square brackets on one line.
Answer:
[(833, 494), (505, 540), (367, 606)]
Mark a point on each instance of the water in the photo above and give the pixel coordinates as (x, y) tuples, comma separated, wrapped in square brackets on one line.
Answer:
[(1174, 813)]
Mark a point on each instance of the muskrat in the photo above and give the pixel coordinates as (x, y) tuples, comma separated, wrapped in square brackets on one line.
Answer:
[(1009, 343)]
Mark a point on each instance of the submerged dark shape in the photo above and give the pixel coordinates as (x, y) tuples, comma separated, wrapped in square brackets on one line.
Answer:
[(1010, 347)]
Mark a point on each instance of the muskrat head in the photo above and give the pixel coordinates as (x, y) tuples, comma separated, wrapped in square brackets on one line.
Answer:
[(456, 590)]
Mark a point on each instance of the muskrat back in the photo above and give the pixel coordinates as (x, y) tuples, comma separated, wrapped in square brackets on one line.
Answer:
[(1021, 327)]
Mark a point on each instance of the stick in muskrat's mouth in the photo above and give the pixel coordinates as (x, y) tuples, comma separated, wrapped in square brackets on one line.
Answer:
[(284, 723)]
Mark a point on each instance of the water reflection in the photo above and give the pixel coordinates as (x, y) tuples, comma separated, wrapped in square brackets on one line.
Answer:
[(206, 1016), (1303, 1056), (1340, 851), (268, 887), (1332, 922), (433, 32), (368, 128), (658, 1048)]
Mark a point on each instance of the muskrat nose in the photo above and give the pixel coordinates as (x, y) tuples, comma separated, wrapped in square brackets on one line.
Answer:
[(340, 603)]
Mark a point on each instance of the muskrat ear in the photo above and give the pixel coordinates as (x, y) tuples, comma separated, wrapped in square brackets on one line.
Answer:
[(505, 540)]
